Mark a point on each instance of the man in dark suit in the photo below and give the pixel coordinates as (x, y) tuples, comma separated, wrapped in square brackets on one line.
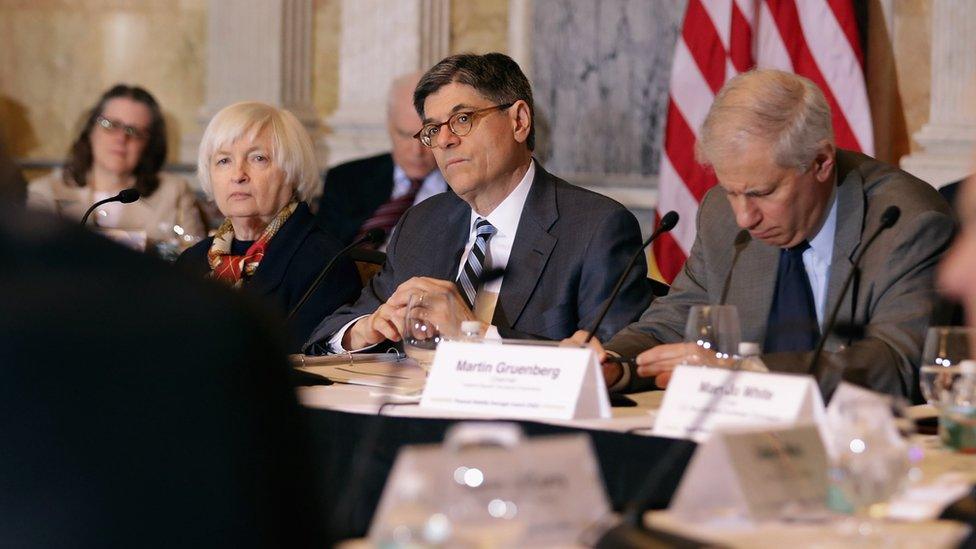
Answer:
[(141, 407), (561, 247), (777, 237), (374, 192)]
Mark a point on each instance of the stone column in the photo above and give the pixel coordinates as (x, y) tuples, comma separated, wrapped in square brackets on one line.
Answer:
[(949, 137), (261, 51), (381, 39), (520, 34)]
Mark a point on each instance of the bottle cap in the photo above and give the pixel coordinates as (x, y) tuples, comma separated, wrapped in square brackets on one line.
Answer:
[(967, 367), (749, 348), (471, 327)]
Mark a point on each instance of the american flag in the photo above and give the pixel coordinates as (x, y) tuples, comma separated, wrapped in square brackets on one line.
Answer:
[(721, 38)]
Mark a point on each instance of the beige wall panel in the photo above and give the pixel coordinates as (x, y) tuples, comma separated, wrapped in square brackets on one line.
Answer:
[(913, 60), (325, 54), (57, 57), (479, 26)]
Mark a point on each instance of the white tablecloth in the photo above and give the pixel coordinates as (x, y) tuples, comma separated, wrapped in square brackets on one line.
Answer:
[(367, 400)]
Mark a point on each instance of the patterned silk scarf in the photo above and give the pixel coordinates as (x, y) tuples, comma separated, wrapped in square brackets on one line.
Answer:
[(234, 269)]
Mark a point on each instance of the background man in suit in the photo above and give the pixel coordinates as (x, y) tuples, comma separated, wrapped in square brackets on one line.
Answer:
[(374, 192), (776, 239), (562, 247)]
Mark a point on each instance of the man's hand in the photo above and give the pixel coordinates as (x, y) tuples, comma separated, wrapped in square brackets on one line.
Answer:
[(387, 321), (442, 303), (612, 371), (660, 361), (384, 323)]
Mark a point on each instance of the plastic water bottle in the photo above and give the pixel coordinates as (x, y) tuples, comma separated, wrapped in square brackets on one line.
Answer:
[(958, 421), (749, 357)]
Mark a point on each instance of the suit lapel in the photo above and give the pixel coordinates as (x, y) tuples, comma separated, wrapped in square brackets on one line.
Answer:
[(530, 251), (847, 239), (283, 246), (455, 230)]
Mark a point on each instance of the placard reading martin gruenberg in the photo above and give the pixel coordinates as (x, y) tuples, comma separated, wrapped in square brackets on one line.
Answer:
[(517, 381)]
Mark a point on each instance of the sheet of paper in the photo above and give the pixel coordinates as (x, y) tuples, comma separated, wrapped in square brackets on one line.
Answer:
[(404, 375)]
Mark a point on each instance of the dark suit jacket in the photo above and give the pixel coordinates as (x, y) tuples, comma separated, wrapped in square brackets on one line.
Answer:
[(352, 193), (892, 296), (570, 248), (141, 407), (295, 256), (950, 190)]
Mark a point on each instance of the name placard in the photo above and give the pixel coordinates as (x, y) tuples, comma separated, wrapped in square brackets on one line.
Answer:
[(544, 491), (698, 400), (757, 474), (516, 381)]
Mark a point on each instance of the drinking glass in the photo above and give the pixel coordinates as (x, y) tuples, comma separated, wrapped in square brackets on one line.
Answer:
[(430, 318), (945, 347), (714, 329), (870, 463)]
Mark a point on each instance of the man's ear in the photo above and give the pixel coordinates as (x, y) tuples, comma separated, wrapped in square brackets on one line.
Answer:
[(521, 119), (823, 163)]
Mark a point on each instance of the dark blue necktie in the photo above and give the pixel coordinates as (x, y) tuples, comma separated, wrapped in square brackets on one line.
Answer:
[(792, 324)]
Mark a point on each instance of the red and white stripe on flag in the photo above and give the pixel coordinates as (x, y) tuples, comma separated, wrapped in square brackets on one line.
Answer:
[(721, 38)]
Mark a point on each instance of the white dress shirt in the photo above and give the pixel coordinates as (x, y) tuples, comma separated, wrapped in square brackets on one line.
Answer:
[(505, 218), (817, 258), (433, 184)]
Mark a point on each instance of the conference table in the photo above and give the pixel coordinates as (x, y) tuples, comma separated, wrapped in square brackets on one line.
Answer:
[(358, 431)]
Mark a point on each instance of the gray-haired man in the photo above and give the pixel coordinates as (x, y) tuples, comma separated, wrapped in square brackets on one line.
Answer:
[(777, 236)]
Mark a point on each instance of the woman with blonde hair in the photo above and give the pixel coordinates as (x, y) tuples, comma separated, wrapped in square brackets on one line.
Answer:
[(258, 164)]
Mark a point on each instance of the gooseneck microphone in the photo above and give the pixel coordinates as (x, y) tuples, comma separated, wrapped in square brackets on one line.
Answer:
[(372, 236), (888, 218), (125, 196), (667, 223)]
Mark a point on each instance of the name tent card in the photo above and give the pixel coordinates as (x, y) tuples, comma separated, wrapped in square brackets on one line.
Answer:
[(516, 381), (754, 474), (544, 491), (698, 400)]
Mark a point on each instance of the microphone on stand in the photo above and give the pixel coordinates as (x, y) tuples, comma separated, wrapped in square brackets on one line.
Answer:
[(372, 236), (125, 196), (667, 223), (888, 218)]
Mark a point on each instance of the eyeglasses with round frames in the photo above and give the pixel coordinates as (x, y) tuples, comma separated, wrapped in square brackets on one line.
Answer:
[(113, 126), (460, 124)]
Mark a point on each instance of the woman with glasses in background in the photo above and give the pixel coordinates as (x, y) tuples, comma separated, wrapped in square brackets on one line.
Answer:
[(122, 145)]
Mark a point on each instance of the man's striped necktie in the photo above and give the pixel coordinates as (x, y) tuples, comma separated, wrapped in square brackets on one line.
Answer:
[(469, 280)]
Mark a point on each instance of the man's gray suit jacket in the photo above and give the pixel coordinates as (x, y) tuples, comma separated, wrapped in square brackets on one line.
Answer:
[(570, 247), (892, 296)]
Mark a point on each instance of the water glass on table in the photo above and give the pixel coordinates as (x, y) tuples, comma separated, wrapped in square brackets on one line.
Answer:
[(870, 463), (715, 332), (945, 347), (430, 319)]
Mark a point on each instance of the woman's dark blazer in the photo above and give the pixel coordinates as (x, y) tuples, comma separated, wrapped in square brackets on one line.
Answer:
[(294, 257)]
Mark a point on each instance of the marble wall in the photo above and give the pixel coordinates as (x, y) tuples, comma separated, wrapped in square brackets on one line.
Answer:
[(58, 56), (600, 73)]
